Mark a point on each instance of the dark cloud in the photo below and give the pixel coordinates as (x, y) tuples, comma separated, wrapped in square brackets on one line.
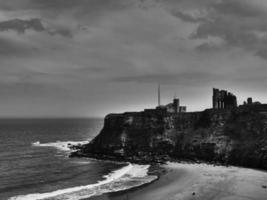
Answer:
[(102, 55), (66, 4), (236, 22), (77, 8), (209, 47), (186, 17), (61, 31), (241, 8), (21, 26)]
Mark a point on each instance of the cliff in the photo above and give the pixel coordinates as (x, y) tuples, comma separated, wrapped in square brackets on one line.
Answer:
[(235, 136)]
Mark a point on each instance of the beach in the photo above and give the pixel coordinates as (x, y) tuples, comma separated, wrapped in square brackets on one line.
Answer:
[(183, 181)]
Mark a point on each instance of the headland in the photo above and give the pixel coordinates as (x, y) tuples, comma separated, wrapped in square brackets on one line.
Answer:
[(227, 133)]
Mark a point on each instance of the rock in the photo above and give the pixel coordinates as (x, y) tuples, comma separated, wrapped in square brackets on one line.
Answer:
[(229, 137)]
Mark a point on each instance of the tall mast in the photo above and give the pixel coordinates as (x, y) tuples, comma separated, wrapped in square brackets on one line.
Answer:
[(159, 95)]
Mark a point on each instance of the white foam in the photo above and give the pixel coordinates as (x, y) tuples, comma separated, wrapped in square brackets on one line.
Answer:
[(127, 177), (60, 145)]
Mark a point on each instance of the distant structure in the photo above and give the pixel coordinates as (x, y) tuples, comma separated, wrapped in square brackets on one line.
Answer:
[(159, 95), (175, 107), (223, 99), (182, 109), (250, 102)]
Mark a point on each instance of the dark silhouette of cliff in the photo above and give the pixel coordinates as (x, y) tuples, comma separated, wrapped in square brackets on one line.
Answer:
[(236, 136)]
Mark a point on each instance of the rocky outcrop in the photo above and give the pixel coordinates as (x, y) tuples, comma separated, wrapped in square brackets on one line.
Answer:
[(235, 136)]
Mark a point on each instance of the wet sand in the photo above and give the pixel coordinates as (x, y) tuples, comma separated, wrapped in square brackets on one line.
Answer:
[(200, 182)]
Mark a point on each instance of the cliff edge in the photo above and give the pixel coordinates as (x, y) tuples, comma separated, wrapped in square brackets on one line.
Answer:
[(236, 136)]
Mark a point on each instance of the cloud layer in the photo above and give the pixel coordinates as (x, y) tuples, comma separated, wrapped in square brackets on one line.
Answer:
[(90, 57)]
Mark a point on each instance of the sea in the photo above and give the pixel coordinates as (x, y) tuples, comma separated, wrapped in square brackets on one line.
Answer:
[(35, 163)]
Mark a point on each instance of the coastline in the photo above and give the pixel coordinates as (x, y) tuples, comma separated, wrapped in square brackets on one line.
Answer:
[(186, 181)]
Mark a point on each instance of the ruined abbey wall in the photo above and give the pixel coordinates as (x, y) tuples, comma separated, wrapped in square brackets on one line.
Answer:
[(223, 99)]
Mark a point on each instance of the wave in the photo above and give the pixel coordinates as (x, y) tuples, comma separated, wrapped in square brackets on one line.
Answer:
[(60, 145), (127, 177)]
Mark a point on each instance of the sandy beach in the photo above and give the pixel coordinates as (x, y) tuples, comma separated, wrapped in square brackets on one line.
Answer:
[(202, 182)]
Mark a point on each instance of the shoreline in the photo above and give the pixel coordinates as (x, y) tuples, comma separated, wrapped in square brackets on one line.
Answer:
[(189, 181)]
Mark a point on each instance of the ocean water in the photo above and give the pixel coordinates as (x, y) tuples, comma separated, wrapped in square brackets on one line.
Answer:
[(34, 162)]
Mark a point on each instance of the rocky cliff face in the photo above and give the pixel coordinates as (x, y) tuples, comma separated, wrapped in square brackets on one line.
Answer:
[(237, 137)]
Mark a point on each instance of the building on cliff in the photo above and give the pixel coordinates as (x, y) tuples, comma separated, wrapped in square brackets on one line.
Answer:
[(175, 107), (254, 105), (235, 136), (223, 99), (250, 102)]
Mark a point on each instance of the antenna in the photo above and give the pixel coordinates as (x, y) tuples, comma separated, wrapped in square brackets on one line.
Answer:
[(158, 94)]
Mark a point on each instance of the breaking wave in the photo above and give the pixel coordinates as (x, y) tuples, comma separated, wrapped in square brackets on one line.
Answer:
[(127, 177), (60, 145)]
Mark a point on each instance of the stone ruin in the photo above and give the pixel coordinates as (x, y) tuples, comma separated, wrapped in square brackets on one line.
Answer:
[(223, 99)]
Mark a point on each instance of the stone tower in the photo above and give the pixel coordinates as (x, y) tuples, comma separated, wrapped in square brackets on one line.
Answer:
[(223, 99), (176, 105)]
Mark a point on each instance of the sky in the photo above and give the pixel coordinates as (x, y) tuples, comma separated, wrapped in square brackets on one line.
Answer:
[(88, 58)]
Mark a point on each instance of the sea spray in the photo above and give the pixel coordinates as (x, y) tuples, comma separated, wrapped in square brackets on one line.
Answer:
[(124, 178), (60, 145)]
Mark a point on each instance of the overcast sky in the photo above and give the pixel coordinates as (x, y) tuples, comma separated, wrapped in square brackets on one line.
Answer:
[(92, 57)]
